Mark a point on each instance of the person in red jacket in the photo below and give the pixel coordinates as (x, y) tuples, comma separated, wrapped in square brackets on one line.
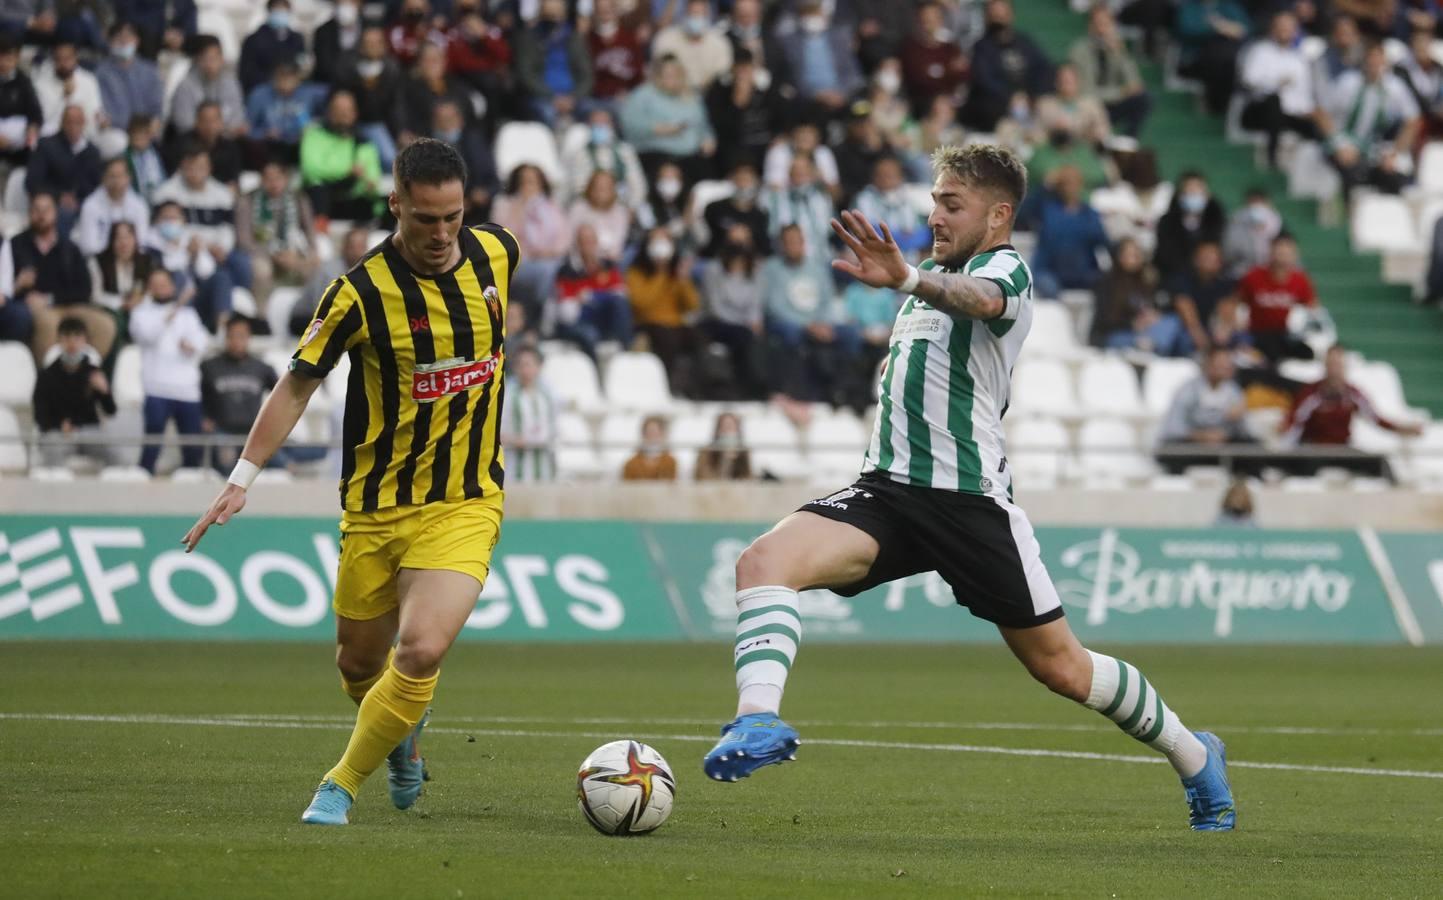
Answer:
[(1270, 293), (932, 63), (1323, 412), (618, 60)]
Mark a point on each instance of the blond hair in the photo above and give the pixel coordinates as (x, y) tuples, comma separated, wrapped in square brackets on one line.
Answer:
[(985, 166)]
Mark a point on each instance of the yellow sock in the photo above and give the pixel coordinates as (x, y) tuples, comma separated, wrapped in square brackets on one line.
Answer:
[(391, 709), (356, 690)]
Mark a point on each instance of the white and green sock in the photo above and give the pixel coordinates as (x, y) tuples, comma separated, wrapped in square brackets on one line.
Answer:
[(1121, 693), (769, 628)]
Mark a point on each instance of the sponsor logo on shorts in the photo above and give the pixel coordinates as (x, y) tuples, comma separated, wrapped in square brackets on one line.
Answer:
[(840, 498), (445, 377)]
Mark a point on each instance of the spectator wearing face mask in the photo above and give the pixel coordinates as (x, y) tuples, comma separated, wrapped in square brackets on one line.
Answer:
[(663, 303), (618, 59), (816, 60), (1005, 62), (276, 40), (744, 31), (172, 341), (933, 65), (726, 458), (413, 28), (337, 36), (1195, 216), (72, 395), (477, 53), (159, 25), (209, 209), (1250, 232), (449, 124), (740, 211), (666, 205), (129, 87), (373, 79), (698, 44), (605, 151), (553, 64), (653, 460)]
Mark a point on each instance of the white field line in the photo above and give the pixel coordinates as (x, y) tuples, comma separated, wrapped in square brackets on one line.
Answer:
[(223, 722), (1341, 731)]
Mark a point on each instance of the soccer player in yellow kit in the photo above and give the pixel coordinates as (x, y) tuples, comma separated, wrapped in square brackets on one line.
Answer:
[(421, 317)]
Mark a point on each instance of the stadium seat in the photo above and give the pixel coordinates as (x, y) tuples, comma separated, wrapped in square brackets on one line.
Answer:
[(1430, 169), (767, 428), (692, 430), (837, 444), (125, 382), (124, 473), (194, 476), (1380, 383), (274, 476), (278, 312), (17, 387), (51, 473), (571, 375), (1426, 454), (13, 456), (1302, 484), (703, 194), (17, 199), (1036, 469), (527, 142), (573, 141), (1052, 333), (1383, 223), (1043, 387), (173, 77), (1039, 434), (1161, 381), (1109, 453), (1108, 386), (1169, 483), (789, 466), (573, 429), (1310, 175), (222, 27), (1303, 371), (1372, 439), (579, 464), (619, 435), (637, 381)]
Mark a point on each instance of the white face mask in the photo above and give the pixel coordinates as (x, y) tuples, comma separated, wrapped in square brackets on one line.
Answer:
[(607, 29), (347, 15), (370, 68), (660, 250), (814, 24), (668, 188), (889, 81)]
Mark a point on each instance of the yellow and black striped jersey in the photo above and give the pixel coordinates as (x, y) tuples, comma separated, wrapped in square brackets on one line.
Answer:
[(424, 397)]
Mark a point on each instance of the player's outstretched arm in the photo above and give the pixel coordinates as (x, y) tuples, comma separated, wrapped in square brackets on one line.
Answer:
[(880, 263), (278, 417)]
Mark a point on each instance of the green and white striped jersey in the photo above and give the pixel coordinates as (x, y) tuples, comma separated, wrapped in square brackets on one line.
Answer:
[(946, 385)]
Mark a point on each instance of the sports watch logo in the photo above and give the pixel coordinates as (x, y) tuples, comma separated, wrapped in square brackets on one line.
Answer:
[(32, 572)]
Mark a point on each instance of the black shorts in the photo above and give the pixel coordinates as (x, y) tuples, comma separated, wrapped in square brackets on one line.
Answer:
[(982, 547)]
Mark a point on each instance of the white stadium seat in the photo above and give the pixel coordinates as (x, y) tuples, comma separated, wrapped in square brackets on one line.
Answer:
[(637, 381), (1043, 387), (703, 194), (578, 463), (1109, 453), (278, 312), (1383, 223), (694, 431), (1036, 469), (620, 434), (527, 142), (571, 375), (1108, 386), (125, 383), (12, 445), (1430, 168), (572, 430), (1371, 438), (124, 473), (1052, 333), (1162, 380), (1039, 434), (1380, 383), (17, 387), (219, 25), (837, 443)]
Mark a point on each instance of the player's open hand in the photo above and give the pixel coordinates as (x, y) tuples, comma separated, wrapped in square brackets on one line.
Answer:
[(232, 500), (880, 262)]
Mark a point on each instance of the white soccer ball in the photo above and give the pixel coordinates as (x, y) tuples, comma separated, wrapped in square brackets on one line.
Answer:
[(625, 787)]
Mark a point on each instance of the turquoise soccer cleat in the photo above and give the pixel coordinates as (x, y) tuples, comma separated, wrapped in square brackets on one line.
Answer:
[(330, 806), (748, 743), (1209, 796), (406, 768)]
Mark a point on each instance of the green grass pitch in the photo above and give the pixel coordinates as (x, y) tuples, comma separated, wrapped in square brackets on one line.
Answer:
[(180, 770)]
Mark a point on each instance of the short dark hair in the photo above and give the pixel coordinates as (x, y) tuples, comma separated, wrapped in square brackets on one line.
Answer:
[(203, 42), (119, 26), (986, 166), (73, 325), (233, 321), (513, 181), (428, 161)]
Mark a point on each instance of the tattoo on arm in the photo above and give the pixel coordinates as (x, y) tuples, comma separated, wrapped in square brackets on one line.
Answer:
[(961, 295)]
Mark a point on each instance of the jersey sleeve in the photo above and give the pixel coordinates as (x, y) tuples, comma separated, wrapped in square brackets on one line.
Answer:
[(509, 242), (1009, 273), (338, 325)]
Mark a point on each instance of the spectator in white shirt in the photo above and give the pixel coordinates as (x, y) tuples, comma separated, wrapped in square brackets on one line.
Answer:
[(1424, 78), (1370, 123), (209, 209), (1279, 81), (172, 343), (528, 426), (112, 202), (61, 82), (698, 44)]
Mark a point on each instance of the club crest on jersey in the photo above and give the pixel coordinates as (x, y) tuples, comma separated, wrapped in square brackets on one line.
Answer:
[(493, 300), (311, 332), (445, 377)]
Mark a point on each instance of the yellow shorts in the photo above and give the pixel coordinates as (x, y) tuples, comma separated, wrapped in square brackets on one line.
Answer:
[(456, 535)]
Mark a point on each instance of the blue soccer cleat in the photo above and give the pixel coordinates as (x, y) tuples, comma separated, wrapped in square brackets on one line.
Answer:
[(1209, 796), (330, 806), (748, 743), (406, 768)]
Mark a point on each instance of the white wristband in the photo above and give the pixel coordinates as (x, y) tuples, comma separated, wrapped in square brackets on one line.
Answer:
[(910, 284), (244, 473)]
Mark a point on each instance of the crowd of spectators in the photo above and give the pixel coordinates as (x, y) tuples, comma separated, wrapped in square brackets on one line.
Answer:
[(777, 112)]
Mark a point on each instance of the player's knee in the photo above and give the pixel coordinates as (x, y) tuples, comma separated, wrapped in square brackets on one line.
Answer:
[(357, 666), (420, 658), (1062, 674), (762, 563)]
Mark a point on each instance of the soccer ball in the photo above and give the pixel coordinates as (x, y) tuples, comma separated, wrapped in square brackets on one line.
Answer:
[(625, 787)]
